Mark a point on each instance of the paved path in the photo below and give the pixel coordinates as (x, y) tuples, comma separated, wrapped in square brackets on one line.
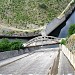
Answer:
[(16, 29), (37, 64), (65, 68), (62, 66)]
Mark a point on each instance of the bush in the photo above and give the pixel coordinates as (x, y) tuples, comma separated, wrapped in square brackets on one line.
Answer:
[(6, 45), (63, 41), (16, 45), (71, 29)]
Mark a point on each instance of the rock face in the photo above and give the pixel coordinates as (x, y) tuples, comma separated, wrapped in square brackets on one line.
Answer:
[(71, 43)]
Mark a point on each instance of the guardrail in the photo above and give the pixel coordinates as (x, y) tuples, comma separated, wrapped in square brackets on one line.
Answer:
[(41, 39), (69, 55)]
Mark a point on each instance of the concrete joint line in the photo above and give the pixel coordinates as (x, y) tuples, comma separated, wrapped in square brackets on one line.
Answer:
[(11, 60)]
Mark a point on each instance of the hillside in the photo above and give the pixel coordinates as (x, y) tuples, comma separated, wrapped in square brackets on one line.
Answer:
[(30, 14), (71, 43)]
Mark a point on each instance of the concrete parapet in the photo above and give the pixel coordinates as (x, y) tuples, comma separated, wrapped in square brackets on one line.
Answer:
[(69, 55), (10, 54)]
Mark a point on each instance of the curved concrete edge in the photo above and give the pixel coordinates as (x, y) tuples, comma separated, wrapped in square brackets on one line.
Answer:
[(53, 64), (70, 56), (11, 60), (69, 6), (58, 20)]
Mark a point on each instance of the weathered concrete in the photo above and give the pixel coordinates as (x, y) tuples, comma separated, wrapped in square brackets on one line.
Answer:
[(14, 53), (37, 63), (64, 66), (69, 55), (58, 20), (10, 54), (42, 41), (53, 24), (10, 60)]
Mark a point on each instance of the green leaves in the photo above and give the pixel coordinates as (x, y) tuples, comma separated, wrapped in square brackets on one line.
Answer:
[(71, 29), (63, 41), (16, 45), (6, 45)]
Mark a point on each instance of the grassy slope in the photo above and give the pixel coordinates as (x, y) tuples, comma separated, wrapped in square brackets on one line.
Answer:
[(71, 43), (27, 14)]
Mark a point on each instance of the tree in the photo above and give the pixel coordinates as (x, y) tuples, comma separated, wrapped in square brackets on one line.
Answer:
[(16, 45), (4, 45), (71, 29), (63, 41)]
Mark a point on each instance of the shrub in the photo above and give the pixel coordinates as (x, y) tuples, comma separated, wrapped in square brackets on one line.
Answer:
[(16, 45), (4, 45), (71, 29), (63, 41)]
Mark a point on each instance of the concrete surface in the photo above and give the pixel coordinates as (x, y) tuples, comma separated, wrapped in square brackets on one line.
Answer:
[(58, 20), (65, 68), (37, 63), (70, 56), (62, 66), (13, 53)]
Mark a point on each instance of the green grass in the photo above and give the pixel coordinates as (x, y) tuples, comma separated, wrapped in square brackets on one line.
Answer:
[(23, 13)]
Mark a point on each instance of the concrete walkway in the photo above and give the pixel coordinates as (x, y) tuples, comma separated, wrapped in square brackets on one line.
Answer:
[(62, 66), (37, 63)]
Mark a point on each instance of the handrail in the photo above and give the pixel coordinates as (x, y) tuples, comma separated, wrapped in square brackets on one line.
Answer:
[(42, 38)]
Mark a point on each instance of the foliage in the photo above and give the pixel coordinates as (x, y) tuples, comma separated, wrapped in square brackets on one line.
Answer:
[(63, 41), (6, 45), (16, 45), (71, 29), (10, 33)]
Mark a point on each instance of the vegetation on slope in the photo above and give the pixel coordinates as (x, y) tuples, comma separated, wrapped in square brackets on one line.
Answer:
[(71, 29), (6, 45), (27, 14), (71, 43), (70, 40)]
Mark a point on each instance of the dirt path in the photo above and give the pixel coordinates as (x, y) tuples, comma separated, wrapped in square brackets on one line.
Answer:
[(16, 29)]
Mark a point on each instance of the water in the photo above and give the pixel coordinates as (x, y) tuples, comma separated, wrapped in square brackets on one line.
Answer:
[(64, 30)]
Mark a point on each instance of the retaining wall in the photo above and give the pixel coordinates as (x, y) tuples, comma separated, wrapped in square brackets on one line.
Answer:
[(14, 53), (69, 55), (10, 54)]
